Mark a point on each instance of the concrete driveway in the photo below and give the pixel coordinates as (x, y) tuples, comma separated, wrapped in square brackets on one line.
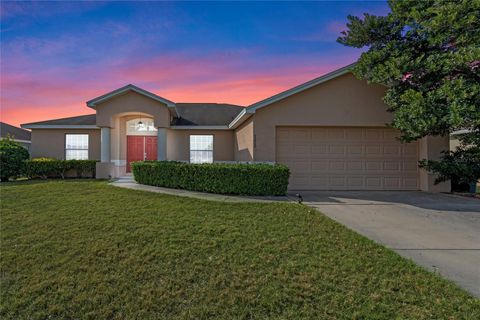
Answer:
[(440, 232)]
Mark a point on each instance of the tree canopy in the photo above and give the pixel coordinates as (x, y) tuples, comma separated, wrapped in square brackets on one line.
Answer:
[(427, 54)]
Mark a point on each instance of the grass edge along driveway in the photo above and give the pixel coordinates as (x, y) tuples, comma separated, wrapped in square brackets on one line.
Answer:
[(86, 250)]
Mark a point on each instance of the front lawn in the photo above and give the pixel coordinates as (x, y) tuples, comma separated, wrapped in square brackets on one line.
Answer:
[(87, 250)]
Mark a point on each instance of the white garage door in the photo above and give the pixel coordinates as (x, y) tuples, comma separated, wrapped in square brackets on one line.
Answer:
[(345, 158)]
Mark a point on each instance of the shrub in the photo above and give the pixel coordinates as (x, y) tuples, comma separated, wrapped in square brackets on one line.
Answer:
[(12, 157), (243, 179), (461, 166), (52, 168)]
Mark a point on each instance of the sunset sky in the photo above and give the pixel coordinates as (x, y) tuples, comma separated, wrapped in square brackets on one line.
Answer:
[(57, 55)]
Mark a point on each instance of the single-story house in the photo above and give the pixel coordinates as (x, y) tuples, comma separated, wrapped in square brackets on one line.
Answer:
[(331, 131), (19, 135)]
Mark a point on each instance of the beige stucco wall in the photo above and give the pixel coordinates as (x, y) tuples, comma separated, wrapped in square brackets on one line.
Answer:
[(132, 103), (454, 143), (343, 101), (178, 144), (431, 148), (243, 138), (50, 143)]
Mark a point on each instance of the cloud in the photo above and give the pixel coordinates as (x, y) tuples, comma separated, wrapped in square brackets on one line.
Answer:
[(44, 93)]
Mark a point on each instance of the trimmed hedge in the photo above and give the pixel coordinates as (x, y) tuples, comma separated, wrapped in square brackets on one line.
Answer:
[(12, 157), (52, 168), (224, 178)]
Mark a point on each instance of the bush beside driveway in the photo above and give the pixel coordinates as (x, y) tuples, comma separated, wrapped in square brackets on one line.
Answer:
[(87, 250)]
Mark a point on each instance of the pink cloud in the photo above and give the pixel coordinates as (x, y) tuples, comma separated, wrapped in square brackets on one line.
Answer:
[(36, 94)]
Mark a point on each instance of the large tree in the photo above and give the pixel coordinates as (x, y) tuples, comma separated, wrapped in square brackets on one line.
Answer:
[(427, 54)]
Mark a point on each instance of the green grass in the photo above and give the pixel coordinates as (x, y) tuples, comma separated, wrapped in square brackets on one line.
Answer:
[(86, 250)]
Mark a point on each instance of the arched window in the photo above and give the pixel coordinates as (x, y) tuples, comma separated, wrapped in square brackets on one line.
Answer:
[(141, 127)]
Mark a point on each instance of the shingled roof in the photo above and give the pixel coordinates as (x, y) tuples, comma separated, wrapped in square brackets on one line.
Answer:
[(205, 114), (87, 120), (14, 132), (189, 114)]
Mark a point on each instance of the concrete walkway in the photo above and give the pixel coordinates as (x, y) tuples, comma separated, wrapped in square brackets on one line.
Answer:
[(440, 232), (129, 183)]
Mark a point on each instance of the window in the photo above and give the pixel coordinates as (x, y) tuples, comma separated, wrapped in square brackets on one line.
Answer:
[(76, 147), (201, 149), (142, 127)]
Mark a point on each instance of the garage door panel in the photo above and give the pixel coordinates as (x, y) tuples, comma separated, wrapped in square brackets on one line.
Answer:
[(355, 183), (319, 134), (337, 149), (319, 149), (410, 150), (390, 150), (355, 150), (336, 134), (300, 166), (392, 182), (410, 166), (320, 165), (392, 166), (338, 181), (283, 135), (347, 158), (300, 135), (301, 150), (374, 134), (354, 134), (373, 166), (320, 181), (301, 182), (355, 166), (337, 165)]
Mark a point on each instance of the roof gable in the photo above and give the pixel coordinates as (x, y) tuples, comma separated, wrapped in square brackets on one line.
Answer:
[(248, 111), (301, 87), (130, 87)]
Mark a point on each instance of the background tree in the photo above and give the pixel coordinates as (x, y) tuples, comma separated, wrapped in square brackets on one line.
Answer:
[(12, 159), (427, 53)]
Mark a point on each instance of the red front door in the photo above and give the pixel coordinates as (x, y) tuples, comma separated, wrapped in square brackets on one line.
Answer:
[(140, 148), (150, 148)]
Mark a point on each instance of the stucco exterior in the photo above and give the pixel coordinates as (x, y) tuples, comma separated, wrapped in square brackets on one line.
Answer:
[(132, 103), (244, 141), (431, 148), (178, 144), (50, 143)]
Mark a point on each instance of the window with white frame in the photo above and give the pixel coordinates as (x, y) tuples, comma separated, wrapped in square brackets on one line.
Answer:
[(76, 146), (201, 148)]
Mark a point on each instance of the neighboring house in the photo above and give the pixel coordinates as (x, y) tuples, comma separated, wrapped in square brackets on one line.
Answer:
[(330, 131), (19, 135)]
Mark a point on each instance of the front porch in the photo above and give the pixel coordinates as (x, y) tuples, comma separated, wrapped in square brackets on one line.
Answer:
[(134, 137)]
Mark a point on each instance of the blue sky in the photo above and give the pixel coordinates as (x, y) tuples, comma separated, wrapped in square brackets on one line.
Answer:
[(57, 55)]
